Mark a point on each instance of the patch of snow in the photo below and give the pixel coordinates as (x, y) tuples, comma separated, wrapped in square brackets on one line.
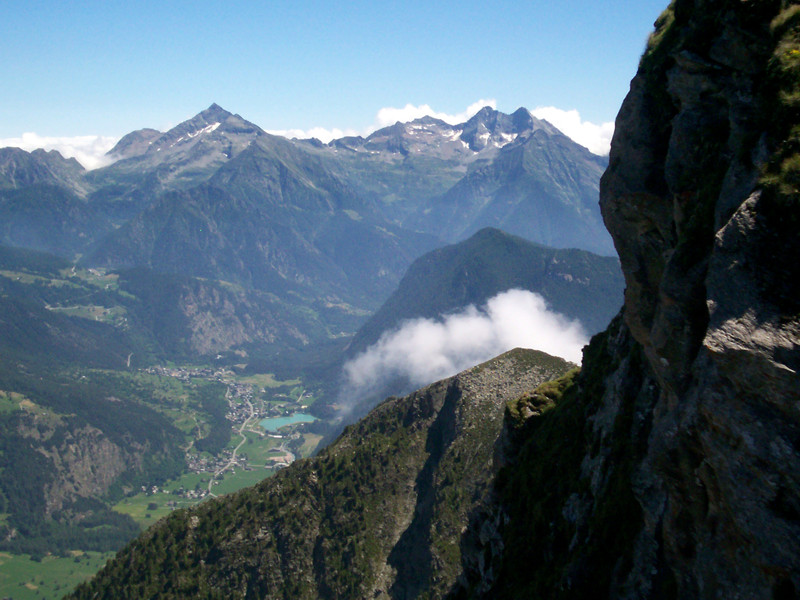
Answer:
[(506, 138), (207, 129), (456, 134)]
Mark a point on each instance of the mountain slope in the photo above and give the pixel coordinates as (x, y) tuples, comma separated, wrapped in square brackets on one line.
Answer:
[(20, 169), (69, 440), (272, 224), (343, 524), (43, 204), (575, 283), (49, 218), (542, 187)]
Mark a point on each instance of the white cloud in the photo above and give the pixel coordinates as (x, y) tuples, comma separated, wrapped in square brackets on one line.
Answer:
[(386, 116), (424, 350), (89, 150), (390, 116), (597, 138), (321, 133)]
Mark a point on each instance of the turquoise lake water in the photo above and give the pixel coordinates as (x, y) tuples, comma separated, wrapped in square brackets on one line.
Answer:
[(275, 423)]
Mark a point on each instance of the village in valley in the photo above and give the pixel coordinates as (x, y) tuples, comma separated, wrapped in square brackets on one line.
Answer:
[(269, 431)]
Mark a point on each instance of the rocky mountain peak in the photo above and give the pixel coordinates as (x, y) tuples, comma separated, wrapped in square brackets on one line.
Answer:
[(522, 119), (485, 114), (19, 168), (491, 128), (212, 123), (215, 113), (134, 144), (197, 146), (429, 120)]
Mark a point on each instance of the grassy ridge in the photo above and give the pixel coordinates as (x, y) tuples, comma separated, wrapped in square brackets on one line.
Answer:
[(391, 495)]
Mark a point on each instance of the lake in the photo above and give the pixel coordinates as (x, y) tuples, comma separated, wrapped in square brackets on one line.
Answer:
[(274, 423)]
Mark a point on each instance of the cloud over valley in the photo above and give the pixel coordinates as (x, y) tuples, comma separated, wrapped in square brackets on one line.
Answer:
[(425, 350)]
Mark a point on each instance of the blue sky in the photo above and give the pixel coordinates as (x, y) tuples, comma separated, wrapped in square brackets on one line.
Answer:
[(107, 68)]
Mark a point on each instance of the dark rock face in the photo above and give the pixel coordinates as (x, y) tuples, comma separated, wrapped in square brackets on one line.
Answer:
[(684, 479), (719, 484)]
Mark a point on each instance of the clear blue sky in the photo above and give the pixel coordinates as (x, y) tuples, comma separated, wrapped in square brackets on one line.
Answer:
[(107, 68)]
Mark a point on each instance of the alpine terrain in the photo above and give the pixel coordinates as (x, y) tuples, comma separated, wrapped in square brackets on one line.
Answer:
[(173, 324), (668, 467)]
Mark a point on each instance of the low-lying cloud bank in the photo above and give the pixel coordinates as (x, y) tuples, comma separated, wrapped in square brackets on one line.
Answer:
[(422, 351), (597, 138), (89, 150)]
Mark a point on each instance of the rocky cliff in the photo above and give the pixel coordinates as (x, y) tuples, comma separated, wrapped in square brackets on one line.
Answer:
[(682, 474), (712, 296)]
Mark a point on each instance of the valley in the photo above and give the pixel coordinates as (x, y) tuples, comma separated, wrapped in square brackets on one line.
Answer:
[(266, 418), (174, 326), (213, 467)]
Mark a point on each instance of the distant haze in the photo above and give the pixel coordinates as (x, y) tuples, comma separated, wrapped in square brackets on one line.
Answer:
[(422, 351), (89, 150)]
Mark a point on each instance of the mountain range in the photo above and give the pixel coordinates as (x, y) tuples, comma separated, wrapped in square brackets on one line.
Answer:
[(217, 198), (218, 243)]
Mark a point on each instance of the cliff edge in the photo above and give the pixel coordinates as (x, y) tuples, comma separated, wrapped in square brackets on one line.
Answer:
[(680, 456)]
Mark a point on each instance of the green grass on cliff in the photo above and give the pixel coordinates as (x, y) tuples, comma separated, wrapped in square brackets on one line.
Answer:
[(539, 401), (781, 177), (552, 436), (659, 38)]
